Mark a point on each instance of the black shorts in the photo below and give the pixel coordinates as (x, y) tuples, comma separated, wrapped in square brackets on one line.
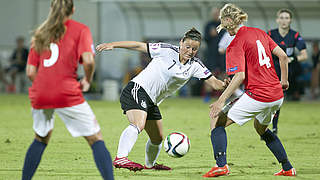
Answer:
[(133, 96)]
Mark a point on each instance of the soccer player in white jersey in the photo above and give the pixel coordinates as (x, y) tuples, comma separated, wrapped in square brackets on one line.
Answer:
[(171, 67)]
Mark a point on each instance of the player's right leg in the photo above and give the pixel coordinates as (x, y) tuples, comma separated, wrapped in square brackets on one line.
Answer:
[(42, 125), (219, 145), (128, 138), (134, 103)]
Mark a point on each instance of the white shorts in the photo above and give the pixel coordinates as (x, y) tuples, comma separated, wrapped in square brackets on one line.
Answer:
[(247, 108), (79, 120)]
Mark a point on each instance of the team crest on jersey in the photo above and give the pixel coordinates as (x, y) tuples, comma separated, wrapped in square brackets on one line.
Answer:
[(143, 104), (185, 73), (206, 72)]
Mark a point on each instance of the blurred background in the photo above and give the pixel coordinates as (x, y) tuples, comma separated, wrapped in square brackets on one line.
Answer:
[(149, 21)]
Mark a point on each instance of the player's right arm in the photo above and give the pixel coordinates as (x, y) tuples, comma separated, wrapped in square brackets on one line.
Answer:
[(283, 60), (132, 45)]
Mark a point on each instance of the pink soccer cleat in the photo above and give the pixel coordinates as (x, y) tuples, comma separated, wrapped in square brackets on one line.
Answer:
[(291, 172), (158, 167), (218, 171), (124, 162)]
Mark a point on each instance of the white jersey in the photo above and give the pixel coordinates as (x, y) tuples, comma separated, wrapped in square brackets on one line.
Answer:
[(165, 74)]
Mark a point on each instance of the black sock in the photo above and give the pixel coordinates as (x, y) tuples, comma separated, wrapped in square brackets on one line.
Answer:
[(219, 145), (275, 120), (103, 159), (275, 146), (32, 159)]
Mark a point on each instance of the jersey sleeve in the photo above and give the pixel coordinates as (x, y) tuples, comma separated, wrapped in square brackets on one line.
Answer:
[(201, 71), (85, 42), (159, 49), (271, 43), (300, 44), (33, 58), (235, 58)]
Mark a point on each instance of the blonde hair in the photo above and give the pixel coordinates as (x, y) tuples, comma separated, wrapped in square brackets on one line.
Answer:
[(237, 16), (52, 29)]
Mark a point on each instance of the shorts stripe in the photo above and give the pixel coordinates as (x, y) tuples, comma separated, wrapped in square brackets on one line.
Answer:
[(134, 92)]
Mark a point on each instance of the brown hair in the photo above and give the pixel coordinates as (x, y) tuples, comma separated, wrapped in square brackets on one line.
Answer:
[(193, 34), (236, 14), (52, 29), (285, 11)]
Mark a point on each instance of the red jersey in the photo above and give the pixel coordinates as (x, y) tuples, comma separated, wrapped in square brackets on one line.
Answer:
[(56, 85), (250, 52)]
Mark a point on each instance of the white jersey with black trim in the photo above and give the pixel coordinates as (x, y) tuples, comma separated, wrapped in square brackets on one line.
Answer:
[(165, 74)]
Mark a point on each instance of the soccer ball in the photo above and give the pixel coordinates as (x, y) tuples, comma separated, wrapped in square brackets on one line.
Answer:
[(177, 144)]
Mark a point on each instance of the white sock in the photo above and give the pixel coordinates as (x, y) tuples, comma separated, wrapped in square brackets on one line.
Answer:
[(152, 153), (127, 140)]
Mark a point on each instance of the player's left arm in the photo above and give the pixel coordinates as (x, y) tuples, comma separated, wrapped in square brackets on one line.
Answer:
[(216, 83), (31, 72)]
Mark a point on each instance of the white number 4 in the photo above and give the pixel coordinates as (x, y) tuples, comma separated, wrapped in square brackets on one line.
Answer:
[(263, 58), (54, 55)]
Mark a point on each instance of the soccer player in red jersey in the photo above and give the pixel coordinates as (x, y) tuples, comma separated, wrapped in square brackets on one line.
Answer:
[(249, 59), (58, 45)]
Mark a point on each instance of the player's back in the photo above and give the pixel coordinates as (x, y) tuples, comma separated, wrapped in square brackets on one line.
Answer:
[(56, 82), (261, 80)]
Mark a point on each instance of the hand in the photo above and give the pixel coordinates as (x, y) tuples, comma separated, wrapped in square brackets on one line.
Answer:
[(285, 85), (292, 59), (226, 82), (215, 109), (84, 85), (105, 46)]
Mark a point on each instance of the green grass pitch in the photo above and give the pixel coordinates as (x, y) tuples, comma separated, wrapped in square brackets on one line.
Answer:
[(71, 158)]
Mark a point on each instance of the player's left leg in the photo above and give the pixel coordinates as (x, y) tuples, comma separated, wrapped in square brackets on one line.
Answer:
[(101, 155), (81, 121), (275, 122), (153, 147), (275, 146), (219, 145)]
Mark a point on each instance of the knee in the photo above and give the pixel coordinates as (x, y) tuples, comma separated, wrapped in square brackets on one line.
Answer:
[(94, 138), (43, 139)]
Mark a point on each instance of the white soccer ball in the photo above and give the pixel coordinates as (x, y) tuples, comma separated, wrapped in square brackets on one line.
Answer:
[(177, 144)]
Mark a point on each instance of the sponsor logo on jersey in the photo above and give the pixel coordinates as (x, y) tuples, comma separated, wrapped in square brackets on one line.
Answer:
[(233, 69), (143, 104)]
